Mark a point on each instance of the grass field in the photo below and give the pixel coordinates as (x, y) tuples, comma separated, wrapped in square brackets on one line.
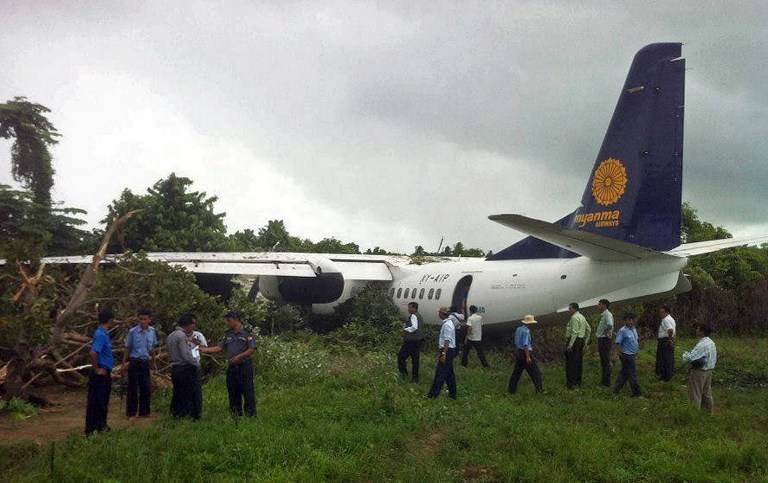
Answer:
[(325, 414)]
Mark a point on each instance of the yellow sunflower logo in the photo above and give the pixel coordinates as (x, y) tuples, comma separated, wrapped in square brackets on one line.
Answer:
[(610, 182)]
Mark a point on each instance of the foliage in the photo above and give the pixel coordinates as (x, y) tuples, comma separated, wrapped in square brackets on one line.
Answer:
[(274, 236), (17, 408), (368, 319), (172, 218), (32, 133), (695, 230), (353, 420), (458, 250)]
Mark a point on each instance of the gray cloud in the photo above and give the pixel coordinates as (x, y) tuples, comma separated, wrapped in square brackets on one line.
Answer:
[(388, 124)]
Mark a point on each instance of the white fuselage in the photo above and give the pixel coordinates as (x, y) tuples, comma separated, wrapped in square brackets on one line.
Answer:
[(505, 291)]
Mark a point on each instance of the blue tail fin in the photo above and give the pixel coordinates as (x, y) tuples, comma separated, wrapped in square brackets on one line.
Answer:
[(635, 191)]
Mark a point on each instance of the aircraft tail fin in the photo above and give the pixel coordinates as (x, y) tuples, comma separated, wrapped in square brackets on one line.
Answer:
[(634, 193)]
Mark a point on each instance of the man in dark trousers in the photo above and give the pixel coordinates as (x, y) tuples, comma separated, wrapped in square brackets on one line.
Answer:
[(628, 345), (139, 354), (665, 348), (524, 360), (100, 376), (412, 340), (577, 334), (185, 371), (238, 345), (604, 334), (446, 344), (474, 337)]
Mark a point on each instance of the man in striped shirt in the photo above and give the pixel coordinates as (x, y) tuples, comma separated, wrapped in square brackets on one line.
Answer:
[(703, 358)]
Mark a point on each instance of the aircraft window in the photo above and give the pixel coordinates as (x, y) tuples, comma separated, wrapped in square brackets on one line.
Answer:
[(392, 293), (399, 292), (563, 277), (407, 291), (431, 293), (421, 294), (437, 294), (413, 293)]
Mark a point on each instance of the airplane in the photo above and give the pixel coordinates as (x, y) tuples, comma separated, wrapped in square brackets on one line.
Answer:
[(622, 243)]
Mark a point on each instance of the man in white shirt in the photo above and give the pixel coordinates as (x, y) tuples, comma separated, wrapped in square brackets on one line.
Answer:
[(665, 348), (446, 343), (474, 337), (703, 358), (412, 341)]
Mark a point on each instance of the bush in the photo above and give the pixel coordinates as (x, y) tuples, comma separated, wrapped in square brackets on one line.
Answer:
[(368, 319)]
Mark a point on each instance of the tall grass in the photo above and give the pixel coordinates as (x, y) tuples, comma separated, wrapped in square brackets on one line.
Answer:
[(330, 415)]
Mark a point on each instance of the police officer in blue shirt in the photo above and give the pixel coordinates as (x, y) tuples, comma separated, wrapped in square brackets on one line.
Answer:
[(100, 377), (139, 353), (238, 344), (628, 345)]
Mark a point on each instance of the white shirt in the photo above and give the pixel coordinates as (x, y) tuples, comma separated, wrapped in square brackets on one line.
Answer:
[(704, 348), (667, 323), (447, 332), (414, 324), (194, 348), (475, 321)]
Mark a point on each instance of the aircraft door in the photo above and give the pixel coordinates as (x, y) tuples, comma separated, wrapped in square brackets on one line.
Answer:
[(461, 294)]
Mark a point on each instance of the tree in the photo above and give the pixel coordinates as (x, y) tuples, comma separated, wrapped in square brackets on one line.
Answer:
[(170, 217), (694, 229), (32, 133)]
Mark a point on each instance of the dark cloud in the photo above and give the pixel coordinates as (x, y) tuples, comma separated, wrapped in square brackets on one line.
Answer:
[(393, 124)]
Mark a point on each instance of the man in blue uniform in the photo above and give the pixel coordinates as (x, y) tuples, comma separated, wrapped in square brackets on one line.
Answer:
[(524, 360), (100, 377), (238, 344), (628, 345), (138, 355)]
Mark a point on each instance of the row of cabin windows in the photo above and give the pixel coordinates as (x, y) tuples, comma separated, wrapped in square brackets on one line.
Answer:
[(412, 293)]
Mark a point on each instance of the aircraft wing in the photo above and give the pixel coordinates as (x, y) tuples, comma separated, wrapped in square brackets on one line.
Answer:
[(590, 245), (353, 267), (700, 248)]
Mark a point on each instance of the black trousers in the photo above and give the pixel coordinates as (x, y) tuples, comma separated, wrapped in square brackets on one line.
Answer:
[(604, 349), (412, 349), (240, 389), (187, 397), (574, 362), (444, 375), (468, 345), (665, 359), (628, 373), (139, 388), (521, 364), (97, 406)]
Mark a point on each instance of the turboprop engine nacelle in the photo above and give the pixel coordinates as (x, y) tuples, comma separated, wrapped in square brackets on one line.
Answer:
[(326, 287)]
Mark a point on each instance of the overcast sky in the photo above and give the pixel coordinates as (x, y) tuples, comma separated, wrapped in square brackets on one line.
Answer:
[(383, 123)]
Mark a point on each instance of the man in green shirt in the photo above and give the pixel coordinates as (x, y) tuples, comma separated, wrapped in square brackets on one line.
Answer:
[(576, 334), (604, 333)]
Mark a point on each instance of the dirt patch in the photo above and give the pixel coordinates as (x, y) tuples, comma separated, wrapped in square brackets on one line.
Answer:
[(479, 473), (64, 417)]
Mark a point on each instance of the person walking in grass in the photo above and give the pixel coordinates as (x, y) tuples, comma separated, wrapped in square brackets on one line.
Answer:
[(138, 356), (627, 347), (604, 334), (524, 359), (412, 341), (474, 337), (576, 334), (238, 345), (447, 351), (702, 358), (100, 376), (665, 348)]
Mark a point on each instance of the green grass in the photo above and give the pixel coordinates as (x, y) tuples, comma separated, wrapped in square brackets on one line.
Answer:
[(326, 415)]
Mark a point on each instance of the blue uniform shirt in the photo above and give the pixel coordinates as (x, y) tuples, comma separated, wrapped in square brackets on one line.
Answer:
[(628, 341), (523, 337), (447, 332), (102, 345), (141, 342)]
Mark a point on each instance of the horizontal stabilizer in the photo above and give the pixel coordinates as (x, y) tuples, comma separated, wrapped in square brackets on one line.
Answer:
[(590, 245), (700, 248)]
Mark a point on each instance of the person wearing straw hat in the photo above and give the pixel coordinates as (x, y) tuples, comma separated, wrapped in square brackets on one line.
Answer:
[(446, 344), (524, 360)]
